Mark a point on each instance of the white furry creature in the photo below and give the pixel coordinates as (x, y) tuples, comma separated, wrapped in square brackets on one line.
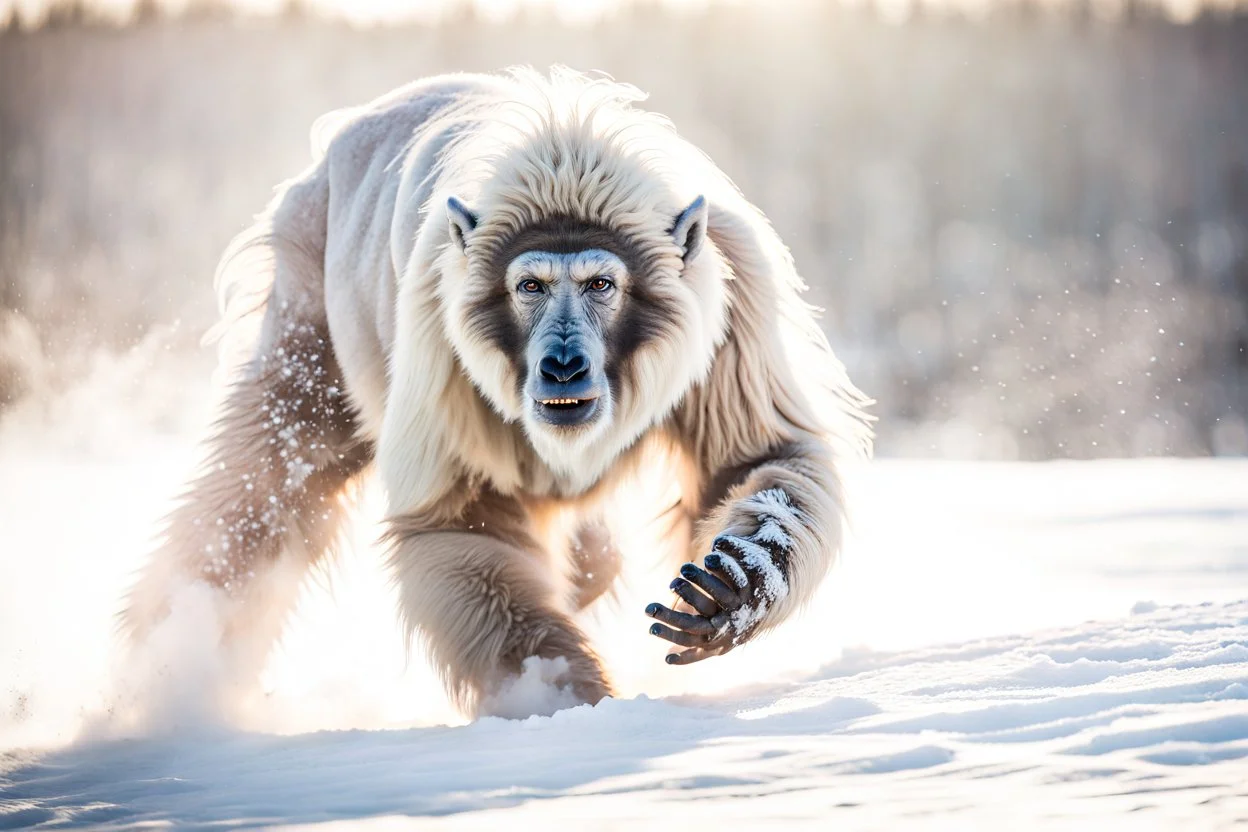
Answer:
[(511, 292)]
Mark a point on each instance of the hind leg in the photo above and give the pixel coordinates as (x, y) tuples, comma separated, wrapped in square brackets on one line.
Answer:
[(595, 563), (267, 504)]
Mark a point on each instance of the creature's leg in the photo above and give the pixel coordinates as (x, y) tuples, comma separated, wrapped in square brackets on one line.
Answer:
[(270, 490), (595, 563), (772, 539), (266, 504), (484, 601)]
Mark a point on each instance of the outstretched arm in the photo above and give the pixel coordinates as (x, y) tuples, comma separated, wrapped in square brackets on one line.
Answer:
[(759, 431), (771, 539)]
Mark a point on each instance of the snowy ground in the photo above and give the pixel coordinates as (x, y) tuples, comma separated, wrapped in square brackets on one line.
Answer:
[(1005, 646)]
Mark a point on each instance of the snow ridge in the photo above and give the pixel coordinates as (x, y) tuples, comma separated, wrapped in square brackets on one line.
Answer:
[(1145, 715)]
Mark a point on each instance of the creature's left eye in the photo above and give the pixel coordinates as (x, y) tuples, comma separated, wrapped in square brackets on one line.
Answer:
[(600, 284)]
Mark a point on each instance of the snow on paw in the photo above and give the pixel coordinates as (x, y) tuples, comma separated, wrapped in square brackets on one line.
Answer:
[(739, 585)]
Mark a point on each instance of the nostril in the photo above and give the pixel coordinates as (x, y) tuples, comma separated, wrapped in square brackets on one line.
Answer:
[(548, 368), (562, 372), (577, 367)]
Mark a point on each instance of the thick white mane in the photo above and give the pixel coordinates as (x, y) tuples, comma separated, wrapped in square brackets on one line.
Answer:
[(575, 146)]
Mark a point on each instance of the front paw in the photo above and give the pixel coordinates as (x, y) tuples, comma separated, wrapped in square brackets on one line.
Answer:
[(730, 598)]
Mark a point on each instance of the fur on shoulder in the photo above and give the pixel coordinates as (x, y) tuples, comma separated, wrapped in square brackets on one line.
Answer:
[(568, 145)]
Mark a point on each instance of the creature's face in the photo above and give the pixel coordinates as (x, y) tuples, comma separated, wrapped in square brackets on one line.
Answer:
[(577, 334), (567, 306)]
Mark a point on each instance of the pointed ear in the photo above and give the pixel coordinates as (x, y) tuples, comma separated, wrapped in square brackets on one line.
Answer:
[(690, 228), (463, 221)]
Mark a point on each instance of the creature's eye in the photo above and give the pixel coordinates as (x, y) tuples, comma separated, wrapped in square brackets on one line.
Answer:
[(530, 286), (600, 284)]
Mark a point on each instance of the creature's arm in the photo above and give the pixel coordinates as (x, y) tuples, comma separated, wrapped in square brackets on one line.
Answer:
[(473, 581), (759, 432), (772, 538)]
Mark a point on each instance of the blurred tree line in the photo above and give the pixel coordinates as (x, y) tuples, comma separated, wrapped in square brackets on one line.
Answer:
[(1029, 226)]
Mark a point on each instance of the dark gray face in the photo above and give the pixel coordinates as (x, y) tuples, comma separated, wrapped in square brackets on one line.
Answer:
[(566, 304)]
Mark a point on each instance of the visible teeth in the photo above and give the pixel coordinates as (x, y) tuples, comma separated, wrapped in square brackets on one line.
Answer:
[(561, 401)]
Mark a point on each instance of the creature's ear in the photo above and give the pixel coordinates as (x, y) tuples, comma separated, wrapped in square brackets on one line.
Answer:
[(690, 228), (463, 221)]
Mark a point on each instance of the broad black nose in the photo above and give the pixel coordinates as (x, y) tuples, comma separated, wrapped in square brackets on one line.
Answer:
[(572, 368)]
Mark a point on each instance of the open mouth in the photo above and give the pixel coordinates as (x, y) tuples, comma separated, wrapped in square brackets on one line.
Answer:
[(566, 411), (565, 404)]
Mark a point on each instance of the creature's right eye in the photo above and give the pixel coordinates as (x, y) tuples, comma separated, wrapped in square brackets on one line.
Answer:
[(530, 286)]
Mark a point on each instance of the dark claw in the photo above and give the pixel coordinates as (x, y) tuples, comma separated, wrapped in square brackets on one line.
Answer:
[(696, 654), (676, 636), (715, 565), (714, 587), (691, 596), (696, 624)]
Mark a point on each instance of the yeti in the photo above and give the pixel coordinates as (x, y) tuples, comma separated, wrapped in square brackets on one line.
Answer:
[(509, 294)]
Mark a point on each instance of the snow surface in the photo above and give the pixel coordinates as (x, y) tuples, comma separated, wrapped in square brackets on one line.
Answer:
[(1004, 646)]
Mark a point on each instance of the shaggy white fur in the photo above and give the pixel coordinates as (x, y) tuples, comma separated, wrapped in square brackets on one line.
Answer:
[(356, 269)]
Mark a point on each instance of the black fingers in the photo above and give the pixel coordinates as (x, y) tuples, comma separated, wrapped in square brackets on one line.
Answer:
[(696, 624), (714, 587), (727, 569), (694, 598), (676, 636), (696, 654), (706, 634)]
